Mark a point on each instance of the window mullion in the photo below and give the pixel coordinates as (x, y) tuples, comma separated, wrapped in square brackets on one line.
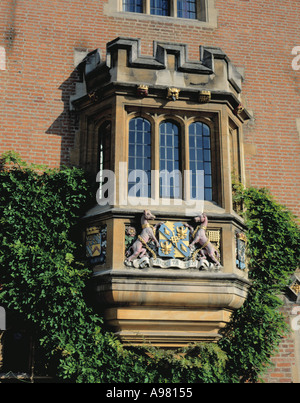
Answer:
[(186, 162), (173, 8), (147, 6), (156, 146)]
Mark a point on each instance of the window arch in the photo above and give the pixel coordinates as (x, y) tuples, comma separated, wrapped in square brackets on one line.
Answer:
[(200, 158), (170, 159), (139, 155)]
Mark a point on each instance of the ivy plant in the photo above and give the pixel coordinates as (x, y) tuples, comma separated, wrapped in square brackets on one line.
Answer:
[(273, 248), (43, 279)]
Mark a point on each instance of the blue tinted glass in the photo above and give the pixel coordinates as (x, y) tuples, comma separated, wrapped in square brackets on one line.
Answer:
[(207, 181), (134, 6), (147, 152), (147, 166), (207, 168), (139, 163), (169, 158), (200, 156), (160, 7), (131, 150), (206, 142), (139, 156), (206, 155), (192, 154), (208, 194), (147, 137), (170, 140), (131, 164), (186, 9), (170, 166)]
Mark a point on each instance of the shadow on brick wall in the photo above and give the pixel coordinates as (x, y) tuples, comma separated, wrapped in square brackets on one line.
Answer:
[(66, 124)]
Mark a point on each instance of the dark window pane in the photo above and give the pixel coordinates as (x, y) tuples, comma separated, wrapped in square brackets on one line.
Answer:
[(207, 168), (131, 150), (134, 6), (186, 9), (169, 140), (160, 7), (208, 194), (169, 158), (199, 151), (147, 137), (206, 155), (206, 142), (207, 181), (139, 152)]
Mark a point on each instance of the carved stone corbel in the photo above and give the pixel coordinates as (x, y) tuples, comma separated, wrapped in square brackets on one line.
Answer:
[(173, 93), (238, 110), (142, 91), (204, 97)]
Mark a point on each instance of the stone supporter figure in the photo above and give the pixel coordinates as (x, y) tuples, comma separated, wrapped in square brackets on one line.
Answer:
[(199, 237), (139, 248)]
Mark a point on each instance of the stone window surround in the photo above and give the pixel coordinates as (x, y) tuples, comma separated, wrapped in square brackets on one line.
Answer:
[(207, 17)]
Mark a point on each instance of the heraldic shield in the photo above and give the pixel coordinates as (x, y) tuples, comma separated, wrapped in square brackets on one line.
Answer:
[(174, 240), (93, 243)]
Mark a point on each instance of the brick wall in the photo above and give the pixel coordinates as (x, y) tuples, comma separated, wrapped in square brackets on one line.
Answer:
[(286, 364), (39, 38)]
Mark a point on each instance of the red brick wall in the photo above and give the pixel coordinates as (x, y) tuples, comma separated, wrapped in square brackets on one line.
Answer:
[(286, 365), (40, 37)]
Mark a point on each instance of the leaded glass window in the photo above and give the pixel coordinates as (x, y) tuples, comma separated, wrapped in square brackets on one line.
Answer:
[(189, 9), (160, 7), (140, 156), (200, 158), (134, 6), (186, 9), (170, 186)]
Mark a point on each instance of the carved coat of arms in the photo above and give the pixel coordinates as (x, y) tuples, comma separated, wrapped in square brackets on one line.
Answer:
[(95, 245), (174, 240), (172, 244)]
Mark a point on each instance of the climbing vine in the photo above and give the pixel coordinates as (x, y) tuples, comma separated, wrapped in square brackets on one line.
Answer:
[(43, 279), (256, 329)]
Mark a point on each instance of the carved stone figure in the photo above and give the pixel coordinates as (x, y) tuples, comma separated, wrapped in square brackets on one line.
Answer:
[(206, 247), (173, 93), (140, 247)]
